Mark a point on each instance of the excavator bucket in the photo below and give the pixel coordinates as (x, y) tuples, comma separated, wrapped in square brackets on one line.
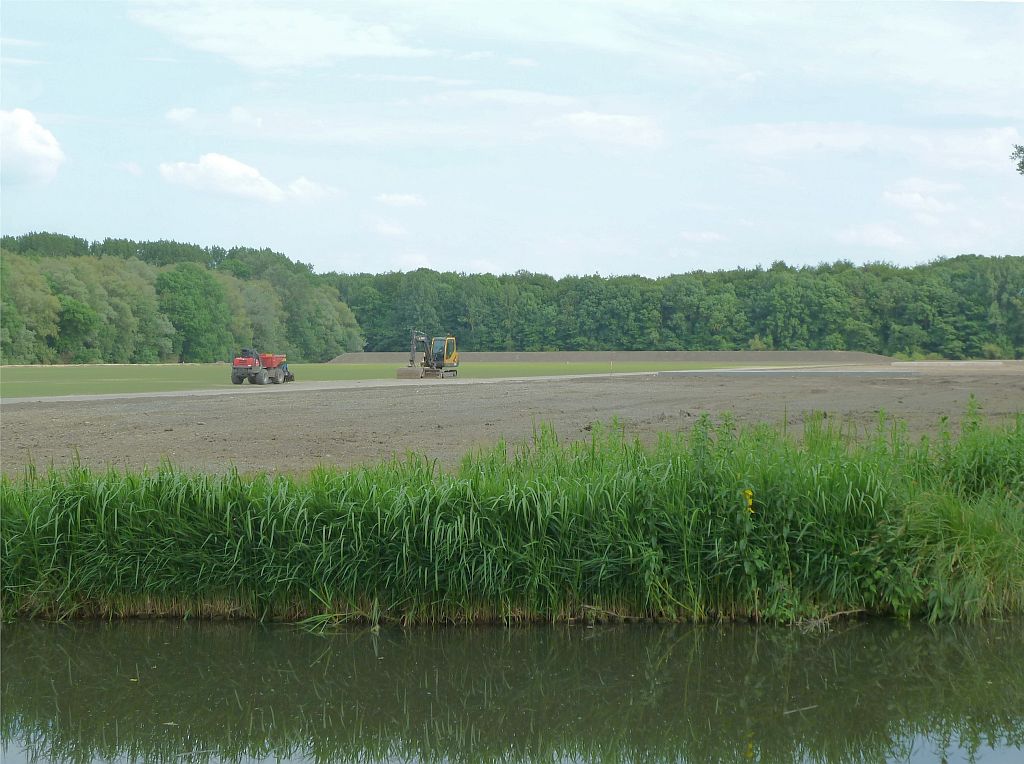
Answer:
[(410, 372)]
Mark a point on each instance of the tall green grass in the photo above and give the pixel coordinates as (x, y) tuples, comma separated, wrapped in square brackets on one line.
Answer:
[(721, 522)]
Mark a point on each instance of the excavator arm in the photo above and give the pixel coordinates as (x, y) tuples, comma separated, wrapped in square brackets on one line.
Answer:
[(419, 339)]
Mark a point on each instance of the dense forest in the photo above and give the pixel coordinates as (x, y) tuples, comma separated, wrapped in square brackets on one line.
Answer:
[(65, 299)]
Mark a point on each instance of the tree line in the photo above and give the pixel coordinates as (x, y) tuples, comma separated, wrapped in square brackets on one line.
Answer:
[(965, 307), (65, 299)]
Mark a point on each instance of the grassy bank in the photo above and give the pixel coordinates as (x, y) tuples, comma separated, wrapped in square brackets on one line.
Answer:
[(94, 379), (718, 523)]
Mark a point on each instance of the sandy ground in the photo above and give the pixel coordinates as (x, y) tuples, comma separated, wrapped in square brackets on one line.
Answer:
[(295, 427)]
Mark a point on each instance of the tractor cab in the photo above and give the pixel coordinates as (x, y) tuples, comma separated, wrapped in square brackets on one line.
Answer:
[(248, 358)]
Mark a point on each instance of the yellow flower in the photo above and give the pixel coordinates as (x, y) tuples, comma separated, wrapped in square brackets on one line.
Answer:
[(748, 495)]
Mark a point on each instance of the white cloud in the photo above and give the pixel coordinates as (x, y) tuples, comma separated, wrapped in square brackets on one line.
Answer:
[(412, 261), (768, 140), (503, 96), (980, 71), (427, 79), (872, 235), (400, 200), (181, 114), (6, 43), (526, 63), (14, 42), (132, 168), (887, 49), (1012, 204), (242, 116), (234, 118), (29, 153), (389, 229), (220, 174), (652, 31), (921, 197), (223, 175), (701, 237), (14, 61), (274, 35), (960, 149), (618, 129), (483, 265), (923, 186), (951, 148), (915, 201), (305, 189)]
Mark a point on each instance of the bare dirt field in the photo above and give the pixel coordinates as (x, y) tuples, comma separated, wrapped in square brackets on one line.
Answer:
[(293, 428)]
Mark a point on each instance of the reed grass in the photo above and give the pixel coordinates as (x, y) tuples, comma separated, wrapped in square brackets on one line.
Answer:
[(718, 523)]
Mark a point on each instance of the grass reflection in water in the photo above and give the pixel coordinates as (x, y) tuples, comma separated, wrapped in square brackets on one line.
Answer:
[(171, 691)]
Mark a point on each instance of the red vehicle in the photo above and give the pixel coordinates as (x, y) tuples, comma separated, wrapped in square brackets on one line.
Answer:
[(260, 368)]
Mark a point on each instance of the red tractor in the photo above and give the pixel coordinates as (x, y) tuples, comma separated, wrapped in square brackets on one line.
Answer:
[(260, 368)]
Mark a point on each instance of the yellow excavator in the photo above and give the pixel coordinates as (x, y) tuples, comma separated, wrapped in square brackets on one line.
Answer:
[(435, 357)]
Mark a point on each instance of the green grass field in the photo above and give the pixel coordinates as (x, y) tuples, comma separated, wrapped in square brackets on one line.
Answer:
[(35, 381)]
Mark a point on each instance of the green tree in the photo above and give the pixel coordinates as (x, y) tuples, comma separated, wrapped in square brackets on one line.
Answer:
[(144, 333), (77, 329), (195, 303), (29, 311), (82, 308), (67, 299), (239, 316), (267, 317), (319, 326), (44, 244), (123, 323), (417, 305), (362, 293)]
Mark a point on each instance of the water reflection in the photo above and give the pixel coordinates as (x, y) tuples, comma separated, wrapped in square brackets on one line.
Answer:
[(171, 691)]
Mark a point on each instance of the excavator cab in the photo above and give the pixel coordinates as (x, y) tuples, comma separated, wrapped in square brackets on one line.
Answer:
[(443, 353), (437, 352)]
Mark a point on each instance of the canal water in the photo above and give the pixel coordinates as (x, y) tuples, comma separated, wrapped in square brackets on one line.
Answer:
[(170, 691)]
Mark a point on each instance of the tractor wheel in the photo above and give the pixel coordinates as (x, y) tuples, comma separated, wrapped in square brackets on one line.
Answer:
[(276, 377), (237, 380), (260, 378)]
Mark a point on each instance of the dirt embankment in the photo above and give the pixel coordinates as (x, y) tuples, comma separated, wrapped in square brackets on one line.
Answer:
[(725, 357), (293, 429)]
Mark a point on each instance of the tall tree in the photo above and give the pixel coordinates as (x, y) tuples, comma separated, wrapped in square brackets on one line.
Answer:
[(29, 312), (196, 305)]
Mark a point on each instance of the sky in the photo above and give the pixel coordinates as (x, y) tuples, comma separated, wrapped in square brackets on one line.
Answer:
[(610, 137)]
